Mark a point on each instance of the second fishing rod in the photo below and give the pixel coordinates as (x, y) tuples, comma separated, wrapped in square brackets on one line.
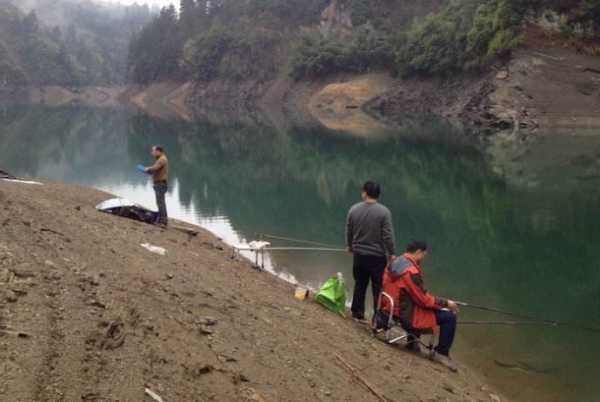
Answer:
[(530, 320)]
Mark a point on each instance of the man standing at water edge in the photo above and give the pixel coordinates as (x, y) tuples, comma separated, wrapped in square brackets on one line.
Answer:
[(370, 238), (160, 176)]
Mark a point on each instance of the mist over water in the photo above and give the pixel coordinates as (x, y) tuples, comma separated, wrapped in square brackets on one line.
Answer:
[(528, 250)]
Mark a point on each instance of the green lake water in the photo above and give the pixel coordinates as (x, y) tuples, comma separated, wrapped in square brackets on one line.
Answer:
[(532, 249)]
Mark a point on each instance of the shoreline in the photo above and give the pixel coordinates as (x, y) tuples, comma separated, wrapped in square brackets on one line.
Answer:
[(539, 90), (262, 330)]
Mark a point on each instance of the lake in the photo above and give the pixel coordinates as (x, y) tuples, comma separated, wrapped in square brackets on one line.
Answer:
[(528, 246)]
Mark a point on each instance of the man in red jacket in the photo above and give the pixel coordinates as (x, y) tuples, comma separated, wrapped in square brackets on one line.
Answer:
[(418, 311)]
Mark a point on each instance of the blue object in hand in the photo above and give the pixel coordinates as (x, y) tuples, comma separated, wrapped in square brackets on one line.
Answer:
[(141, 168)]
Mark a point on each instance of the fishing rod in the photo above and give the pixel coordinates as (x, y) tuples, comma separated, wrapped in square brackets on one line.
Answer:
[(525, 319), (508, 323), (290, 239), (304, 249), (530, 320), (504, 312)]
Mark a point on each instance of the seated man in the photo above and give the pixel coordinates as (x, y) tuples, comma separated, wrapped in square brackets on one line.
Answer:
[(418, 311)]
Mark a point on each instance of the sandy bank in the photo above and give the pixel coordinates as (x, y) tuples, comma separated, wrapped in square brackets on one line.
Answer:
[(105, 318)]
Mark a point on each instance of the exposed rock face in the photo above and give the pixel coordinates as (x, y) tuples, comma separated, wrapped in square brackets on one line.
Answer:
[(548, 21), (336, 18), (338, 106), (550, 89), (546, 90)]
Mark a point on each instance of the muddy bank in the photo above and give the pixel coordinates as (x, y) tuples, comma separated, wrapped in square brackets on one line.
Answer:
[(86, 313)]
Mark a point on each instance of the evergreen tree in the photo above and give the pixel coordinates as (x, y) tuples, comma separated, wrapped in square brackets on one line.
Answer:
[(187, 13), (31, 24)]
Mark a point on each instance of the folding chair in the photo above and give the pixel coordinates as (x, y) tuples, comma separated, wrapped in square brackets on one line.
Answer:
[(384, 323)]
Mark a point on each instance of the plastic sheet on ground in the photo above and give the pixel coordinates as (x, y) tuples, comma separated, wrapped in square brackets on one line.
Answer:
[(128, 209), (154, 249), (5, 176), (37, 183)]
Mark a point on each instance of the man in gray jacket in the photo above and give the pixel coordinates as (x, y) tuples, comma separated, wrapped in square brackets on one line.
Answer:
[(370, 238)]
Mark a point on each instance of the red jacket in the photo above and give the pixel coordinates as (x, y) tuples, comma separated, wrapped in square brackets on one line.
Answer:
[(413, 305)]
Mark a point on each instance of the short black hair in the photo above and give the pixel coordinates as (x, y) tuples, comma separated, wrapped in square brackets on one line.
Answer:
[(415, 245), (159, 148), (373, 189)]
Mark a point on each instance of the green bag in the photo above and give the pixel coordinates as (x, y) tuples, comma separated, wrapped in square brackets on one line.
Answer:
[(332, 294)]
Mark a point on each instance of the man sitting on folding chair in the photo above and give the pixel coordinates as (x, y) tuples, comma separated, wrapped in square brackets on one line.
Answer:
[(417, 311)]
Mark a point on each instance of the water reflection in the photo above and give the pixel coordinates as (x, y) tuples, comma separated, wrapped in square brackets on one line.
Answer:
[(530, 250)]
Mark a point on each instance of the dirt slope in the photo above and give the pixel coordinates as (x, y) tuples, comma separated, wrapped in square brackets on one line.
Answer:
[(101, 318)]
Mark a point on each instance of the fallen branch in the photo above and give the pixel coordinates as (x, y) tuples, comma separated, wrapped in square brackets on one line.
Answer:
[(591, 70), (18, 334), (51, 231), (189, 231), (153, 395), (361, 379)]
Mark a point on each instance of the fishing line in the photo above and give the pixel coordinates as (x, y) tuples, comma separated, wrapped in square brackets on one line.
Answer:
[(290, 239), (530, 319), (510, 323), (338, 250), (495, 310)]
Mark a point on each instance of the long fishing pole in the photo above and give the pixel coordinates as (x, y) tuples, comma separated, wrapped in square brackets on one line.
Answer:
[(508, 323), (337, 250), (530, 319), (504, 312), (290, 239)]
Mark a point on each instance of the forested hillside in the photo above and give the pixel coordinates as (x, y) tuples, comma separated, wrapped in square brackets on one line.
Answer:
[(73, 42), (63, 42), (261, 39), (227, 38)]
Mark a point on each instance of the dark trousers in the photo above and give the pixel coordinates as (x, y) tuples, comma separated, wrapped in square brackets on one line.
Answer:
[(160, 189), (366, 268), (447, 322)]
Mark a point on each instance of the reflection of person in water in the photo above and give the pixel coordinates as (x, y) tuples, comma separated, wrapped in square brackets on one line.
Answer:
[(160, 176)]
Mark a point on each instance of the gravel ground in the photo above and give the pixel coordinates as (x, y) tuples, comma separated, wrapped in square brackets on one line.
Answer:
[(87, 314)]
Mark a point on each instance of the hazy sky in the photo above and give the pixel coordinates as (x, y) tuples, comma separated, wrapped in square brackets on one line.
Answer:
[(157, 2)]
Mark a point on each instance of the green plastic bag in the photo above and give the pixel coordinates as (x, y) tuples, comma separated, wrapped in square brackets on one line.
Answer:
[(332, 294)]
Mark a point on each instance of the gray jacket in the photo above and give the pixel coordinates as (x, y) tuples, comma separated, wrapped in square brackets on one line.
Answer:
[(369, 230)]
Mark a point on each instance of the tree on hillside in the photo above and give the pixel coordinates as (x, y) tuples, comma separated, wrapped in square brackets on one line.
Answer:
[(187, 14), (31, 23), (154, 52), (590, 11), (56, 34)]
